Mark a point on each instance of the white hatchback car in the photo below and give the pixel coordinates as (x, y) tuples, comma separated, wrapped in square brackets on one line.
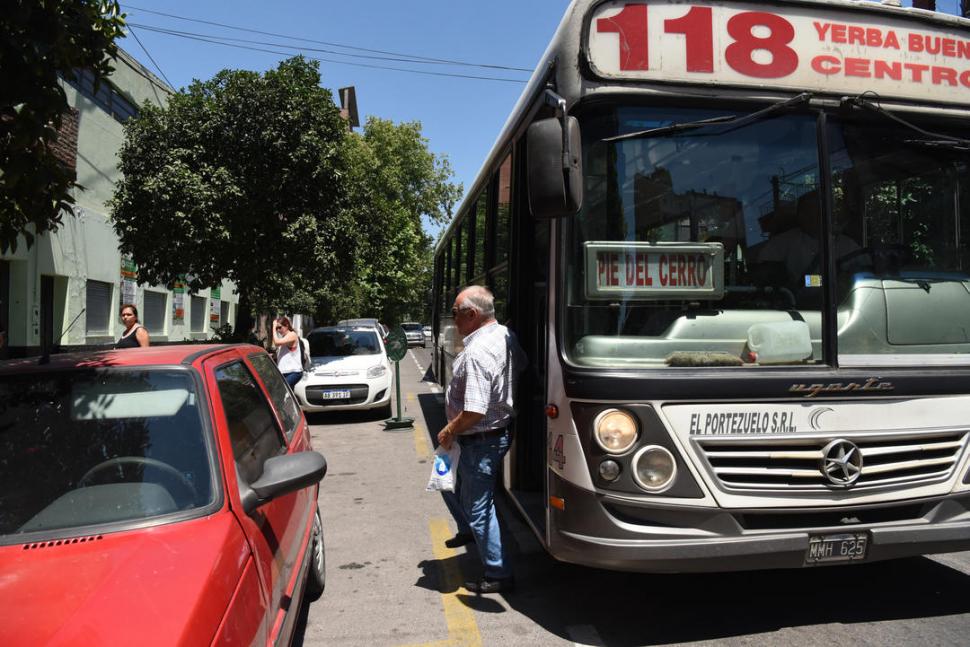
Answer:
[(350, 371)]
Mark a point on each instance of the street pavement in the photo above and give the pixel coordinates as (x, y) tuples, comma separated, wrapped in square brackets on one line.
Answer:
[(391, 580)]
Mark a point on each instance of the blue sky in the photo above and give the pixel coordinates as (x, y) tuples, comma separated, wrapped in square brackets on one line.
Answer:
[(460, 117)]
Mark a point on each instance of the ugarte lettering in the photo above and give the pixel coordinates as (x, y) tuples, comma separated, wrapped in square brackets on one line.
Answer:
[(812, 390)]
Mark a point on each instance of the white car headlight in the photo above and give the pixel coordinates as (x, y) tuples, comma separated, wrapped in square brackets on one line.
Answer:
[(376, 371), (615, 431)]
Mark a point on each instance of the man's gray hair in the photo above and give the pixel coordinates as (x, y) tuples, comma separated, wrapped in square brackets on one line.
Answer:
[(481, 298)]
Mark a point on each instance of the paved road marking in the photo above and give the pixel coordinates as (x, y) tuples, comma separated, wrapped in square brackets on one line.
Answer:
[(417, 363), (584, 636), (421, 446), (462, 628)]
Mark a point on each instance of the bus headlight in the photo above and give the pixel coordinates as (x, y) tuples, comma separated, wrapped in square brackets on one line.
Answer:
[(654, 468), (615, 431)]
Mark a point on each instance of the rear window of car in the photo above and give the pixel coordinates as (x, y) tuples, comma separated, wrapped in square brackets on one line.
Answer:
[(339, 343), (411, 327), (82, 448)]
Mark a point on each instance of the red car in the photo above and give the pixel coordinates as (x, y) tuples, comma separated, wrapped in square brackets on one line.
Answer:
[(155, 496)]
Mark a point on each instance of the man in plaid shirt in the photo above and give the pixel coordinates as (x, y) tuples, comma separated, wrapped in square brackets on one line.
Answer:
[(479, 409)]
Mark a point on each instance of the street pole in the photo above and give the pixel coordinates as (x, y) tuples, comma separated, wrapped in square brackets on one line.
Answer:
[(397, 348)]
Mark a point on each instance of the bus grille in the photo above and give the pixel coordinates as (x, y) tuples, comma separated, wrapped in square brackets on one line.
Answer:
[(797, 463)]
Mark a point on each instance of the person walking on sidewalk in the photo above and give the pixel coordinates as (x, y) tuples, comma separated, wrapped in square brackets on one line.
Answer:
[(479, 408)]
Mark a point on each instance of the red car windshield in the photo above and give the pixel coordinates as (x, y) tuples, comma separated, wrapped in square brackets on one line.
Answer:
[(82, 448)]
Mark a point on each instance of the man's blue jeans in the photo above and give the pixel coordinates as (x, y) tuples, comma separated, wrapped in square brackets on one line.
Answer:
[(472, 504)]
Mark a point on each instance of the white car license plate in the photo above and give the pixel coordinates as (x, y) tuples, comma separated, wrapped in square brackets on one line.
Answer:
[(844, 547), (335, 395)]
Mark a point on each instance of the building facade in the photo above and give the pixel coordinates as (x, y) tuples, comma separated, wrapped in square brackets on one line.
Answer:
[(65, 291)]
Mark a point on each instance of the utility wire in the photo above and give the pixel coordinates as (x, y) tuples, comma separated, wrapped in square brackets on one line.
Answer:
[(150, 57), (175, 32), (328, 60), (415, 57)]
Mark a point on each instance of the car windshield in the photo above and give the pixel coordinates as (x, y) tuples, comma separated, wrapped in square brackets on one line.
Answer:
[(411, 327), (342, 343), (702, 247), (82, 448)]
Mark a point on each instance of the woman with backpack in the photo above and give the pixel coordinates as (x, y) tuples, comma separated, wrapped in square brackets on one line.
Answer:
[(289, 351)]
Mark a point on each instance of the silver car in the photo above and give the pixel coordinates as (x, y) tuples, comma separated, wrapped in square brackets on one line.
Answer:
[(415, 334)]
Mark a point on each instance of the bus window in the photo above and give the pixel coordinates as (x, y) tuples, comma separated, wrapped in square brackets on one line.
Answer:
[(449, 274), (503, 215), (904, 290), (745, 196), (481, 236), (459, 266)]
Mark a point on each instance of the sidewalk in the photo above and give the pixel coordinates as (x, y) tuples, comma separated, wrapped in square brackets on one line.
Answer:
[(388, 571)]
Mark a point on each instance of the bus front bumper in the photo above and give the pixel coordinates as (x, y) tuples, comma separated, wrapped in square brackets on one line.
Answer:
[(689, 539)]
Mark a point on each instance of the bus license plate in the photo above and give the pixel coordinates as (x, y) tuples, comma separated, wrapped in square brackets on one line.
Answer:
[(335, 395), (837, 548)]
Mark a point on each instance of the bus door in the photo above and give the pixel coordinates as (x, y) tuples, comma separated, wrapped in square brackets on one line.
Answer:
[(529, 299)]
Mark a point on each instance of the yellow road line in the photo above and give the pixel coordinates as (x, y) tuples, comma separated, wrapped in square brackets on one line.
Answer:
[(421, 443), (462, 628)]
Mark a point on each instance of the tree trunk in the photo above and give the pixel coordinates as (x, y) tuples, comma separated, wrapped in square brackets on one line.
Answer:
[(244, 319)]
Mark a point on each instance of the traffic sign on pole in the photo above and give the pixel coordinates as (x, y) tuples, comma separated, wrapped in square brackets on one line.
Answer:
[(397, 348)]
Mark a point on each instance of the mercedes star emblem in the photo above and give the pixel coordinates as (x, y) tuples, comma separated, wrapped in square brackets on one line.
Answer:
[(841, 462)]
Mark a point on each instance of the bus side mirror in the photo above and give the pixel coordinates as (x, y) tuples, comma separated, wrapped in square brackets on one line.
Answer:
[(555, 167)]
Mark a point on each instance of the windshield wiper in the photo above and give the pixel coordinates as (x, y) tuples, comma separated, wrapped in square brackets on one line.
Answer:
[(868, 101), (726, 120)]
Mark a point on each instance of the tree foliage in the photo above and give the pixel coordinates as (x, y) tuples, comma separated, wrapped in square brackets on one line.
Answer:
[(241, 177), (394, 181), (42, 40)]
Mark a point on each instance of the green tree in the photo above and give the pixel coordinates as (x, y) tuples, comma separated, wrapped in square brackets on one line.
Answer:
[(42, 40), (241, 177), (394, 181)]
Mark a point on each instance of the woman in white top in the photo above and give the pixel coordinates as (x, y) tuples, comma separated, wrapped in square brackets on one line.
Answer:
[(287, 351)]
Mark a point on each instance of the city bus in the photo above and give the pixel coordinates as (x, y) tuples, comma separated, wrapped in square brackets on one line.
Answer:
[(734, 240)]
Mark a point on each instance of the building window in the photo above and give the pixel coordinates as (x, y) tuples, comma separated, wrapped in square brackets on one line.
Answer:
[(107, 97), (200, 313), (155, 308), (223, 313), (98, 308)]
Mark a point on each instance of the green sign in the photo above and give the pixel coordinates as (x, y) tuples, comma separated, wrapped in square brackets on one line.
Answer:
[(397, 348), (397, 344)]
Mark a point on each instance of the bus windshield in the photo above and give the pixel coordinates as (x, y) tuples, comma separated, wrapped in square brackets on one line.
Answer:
[(702, 247)]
